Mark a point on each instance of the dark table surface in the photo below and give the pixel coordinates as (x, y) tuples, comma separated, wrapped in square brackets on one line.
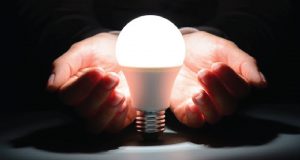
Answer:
[(262, 131)]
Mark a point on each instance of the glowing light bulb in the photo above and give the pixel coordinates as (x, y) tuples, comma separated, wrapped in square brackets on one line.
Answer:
[(150, 50)]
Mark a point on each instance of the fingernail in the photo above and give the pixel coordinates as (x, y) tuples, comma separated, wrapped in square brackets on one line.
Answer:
[(100, 69), (194, 116), (199, 98), (101, 72), (216, 66), (191, 114), (111, 82), (118, 99), (194, 109), (121, 110), (51, 79), (249, 71), (263, 78), (202, 75), (118, 121)]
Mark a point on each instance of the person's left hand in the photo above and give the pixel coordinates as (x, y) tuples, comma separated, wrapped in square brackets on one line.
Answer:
[(215, 75)]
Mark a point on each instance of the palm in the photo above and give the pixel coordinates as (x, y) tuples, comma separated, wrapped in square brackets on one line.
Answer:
[(199, 55), (99, 52)]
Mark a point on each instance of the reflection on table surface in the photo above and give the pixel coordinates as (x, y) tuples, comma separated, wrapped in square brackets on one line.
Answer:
[(258, 132)]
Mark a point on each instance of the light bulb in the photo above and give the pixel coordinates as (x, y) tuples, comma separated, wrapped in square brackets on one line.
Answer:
[(150, 50)]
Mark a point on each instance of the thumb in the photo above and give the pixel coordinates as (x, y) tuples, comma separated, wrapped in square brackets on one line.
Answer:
[(246, 66), (65, 66), (251, 73)]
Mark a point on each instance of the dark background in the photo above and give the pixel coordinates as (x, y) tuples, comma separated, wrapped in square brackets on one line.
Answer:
[(24, 77)]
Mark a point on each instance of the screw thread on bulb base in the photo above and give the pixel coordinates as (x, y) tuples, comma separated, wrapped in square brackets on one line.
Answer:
[(150, 122)]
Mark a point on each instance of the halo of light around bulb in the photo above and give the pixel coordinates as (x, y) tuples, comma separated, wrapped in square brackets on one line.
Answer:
[(150, 42)]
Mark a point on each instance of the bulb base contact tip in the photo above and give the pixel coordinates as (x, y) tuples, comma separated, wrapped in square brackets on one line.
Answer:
[(150, 122)]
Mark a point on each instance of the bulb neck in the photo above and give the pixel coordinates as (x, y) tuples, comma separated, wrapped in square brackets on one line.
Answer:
[(150, 121)]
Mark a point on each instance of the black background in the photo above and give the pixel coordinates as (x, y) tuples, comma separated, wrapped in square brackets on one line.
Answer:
[(24, 78)]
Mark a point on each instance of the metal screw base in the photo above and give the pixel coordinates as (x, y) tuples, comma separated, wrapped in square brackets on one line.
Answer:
[(150, 122)]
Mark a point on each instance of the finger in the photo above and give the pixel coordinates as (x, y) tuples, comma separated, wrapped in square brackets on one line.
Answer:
[(122, 118), (189, 114), (119, 120), (67, 65), (246, 66), (206, 107), (80, 73), (194, 118), (234, 84), (251, 73), (99, 94), (74, 92), (218, 94), (107, 111), (179, 112)]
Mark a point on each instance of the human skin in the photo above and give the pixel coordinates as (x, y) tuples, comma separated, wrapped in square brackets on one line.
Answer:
[(215, 75)]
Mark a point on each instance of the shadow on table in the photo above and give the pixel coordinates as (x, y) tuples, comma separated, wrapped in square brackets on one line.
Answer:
[(231, 132), (235, 131)]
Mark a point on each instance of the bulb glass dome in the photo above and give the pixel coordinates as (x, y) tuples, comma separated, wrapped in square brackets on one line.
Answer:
[(150, 42)]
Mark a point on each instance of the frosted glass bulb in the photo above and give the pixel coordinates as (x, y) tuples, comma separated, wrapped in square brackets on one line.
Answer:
[(150, 50)]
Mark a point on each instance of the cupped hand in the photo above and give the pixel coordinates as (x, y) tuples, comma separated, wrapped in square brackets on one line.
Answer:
[(216, 74), (88, 78)]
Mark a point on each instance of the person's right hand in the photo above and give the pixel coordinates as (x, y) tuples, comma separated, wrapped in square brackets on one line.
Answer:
[(85, 78)]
